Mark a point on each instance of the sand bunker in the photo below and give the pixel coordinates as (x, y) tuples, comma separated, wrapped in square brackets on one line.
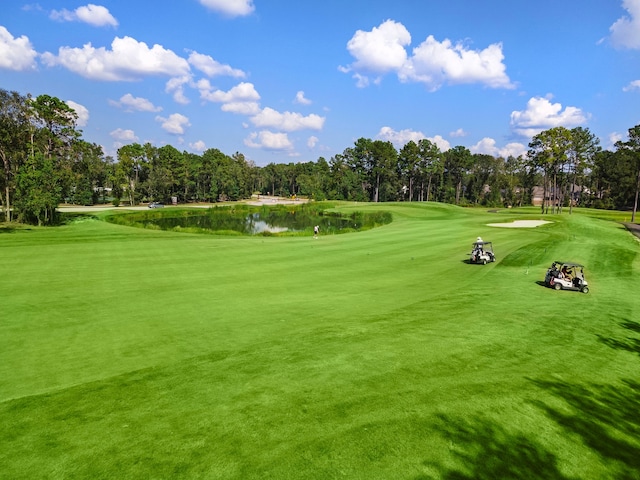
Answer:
[(520, 224)]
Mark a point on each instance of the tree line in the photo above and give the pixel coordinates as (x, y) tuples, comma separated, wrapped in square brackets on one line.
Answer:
[(46, 162)]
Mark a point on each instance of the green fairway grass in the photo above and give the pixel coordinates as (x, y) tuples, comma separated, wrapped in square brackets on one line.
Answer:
[(383, 354)]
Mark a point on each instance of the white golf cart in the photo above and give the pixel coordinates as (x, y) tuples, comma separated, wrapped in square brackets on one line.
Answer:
[(566, 276), (482, 253)]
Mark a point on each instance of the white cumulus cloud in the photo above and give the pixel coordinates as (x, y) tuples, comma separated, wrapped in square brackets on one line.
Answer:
[(488, 146), (130, 103), (541, 114), (174, 124), (123, 135), (269, 141), (433, 63), (287, 121), (127, 60), (613, 138), (243, 92), (380, 50), (198, 146), (635, 85), (16, 53), (625, 32), (212, 68), (81, 111), (402, 137), (175, 86), (241, 99), (312, 141), (458, 133), (95, 15), (437, 63), (301, 99), (440, 142), (231, 8), (241, 108)]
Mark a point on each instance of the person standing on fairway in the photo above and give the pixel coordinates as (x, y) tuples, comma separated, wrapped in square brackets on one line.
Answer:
[(316, 229)]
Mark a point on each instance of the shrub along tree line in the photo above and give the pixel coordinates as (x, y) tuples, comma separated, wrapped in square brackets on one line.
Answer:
[(45, 162)]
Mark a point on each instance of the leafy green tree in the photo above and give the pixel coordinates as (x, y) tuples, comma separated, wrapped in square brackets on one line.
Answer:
[(312, 177), (457, 162), (204, 177), (382, 163), (283, 179), (225, 177), (14, 138), (55, 123), (514, 172), (430, 165), (483, 184), (246, 175), (188, 174), (549, 151), (583, 148), (55, 135), (38, 190), (253, 181), (132, 163), (609, 179), (321, 175), (165, 166), (85, 172), (359, 158), (408, 162), (229, 178), (115, 179), (270, 177), (632, 149), (345, 183)]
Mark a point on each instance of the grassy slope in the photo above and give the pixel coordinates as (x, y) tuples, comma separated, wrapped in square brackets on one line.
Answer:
[(381, 354)]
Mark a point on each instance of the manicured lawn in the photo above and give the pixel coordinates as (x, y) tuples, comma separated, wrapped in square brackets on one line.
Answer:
[(130, 353)]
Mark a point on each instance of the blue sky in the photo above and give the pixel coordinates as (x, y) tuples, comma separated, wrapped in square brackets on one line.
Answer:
[(292, 81)]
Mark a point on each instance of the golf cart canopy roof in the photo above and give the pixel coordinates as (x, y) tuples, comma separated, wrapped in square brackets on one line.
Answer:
[(569, 264), (481, 243)]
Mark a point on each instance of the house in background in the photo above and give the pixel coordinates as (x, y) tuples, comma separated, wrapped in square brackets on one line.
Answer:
[(537, 195)]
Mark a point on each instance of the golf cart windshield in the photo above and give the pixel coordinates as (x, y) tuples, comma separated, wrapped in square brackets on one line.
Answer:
[(483, 246)]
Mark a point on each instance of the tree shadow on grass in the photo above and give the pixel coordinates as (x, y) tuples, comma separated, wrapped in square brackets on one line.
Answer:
[(605, 417), (629, 344), (485, 450)]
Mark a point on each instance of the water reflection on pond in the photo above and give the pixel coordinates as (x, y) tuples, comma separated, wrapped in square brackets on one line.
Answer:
[(261, 221)]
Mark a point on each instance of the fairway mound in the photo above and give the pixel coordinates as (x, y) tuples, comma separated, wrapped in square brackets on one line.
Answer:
[(520, 224)]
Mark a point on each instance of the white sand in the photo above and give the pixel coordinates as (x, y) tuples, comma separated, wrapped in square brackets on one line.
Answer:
[(520, 224)]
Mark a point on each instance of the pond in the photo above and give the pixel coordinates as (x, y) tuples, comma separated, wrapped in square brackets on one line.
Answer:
[(244, 220)]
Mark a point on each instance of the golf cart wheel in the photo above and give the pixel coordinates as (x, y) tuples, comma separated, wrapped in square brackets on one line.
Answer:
[(585, 289), (557, 286), (484, 261)]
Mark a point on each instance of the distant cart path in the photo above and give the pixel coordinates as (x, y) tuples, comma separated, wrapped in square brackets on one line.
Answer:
[(255, 200), (633, 228)]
